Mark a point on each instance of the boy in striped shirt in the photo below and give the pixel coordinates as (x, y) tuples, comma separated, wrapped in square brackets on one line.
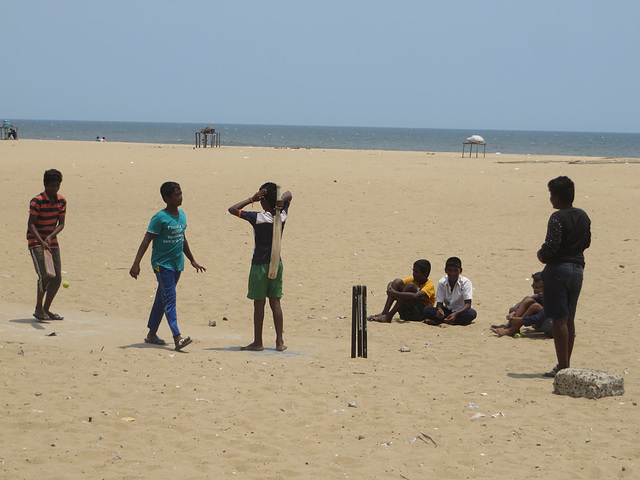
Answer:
[(47, 212)]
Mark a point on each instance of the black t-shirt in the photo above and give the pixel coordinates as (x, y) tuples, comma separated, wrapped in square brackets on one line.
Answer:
[(568, 235)]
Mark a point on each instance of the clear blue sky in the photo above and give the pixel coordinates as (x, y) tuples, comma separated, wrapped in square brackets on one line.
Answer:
[(512, 65)]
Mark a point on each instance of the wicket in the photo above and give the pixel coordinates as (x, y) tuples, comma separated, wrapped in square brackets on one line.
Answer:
[(359, 322)]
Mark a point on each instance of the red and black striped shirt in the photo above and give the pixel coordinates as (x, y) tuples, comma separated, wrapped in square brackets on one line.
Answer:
[(47, 213)]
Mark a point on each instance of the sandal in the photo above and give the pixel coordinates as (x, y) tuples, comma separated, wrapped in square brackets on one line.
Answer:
[(54, 316), (183, 343), (553, 372), (156, 340)]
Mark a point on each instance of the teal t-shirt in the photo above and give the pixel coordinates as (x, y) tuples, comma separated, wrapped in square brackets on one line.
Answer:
[(168, 243)]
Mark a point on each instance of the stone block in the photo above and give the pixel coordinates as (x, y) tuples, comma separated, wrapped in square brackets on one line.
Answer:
[(584, 382)]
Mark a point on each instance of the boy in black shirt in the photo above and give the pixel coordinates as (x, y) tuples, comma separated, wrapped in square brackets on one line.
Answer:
[(568, 235)]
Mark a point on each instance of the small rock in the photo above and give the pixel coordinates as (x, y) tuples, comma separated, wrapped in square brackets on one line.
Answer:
[(212, 323), (405, 349), (353, 404)]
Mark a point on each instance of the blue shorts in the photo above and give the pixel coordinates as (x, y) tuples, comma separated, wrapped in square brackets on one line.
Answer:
[(562, 283)]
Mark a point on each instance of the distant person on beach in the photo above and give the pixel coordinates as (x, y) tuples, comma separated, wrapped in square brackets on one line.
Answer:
[(47, 212), (167, 232), (568, 236), (409, 296), (97, 139), (103, 139), (261, 286), (453, 297), (527, 313)]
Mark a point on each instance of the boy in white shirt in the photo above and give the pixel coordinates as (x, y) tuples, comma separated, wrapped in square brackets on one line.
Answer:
[(453, 297)]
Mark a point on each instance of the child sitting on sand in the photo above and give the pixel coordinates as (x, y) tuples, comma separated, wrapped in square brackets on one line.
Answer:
[(528, 313), (453, 297), (260, 285), (166, 231), (409, 296)]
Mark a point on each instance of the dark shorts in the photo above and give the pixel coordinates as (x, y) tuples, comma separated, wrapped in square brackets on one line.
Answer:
[(46, 282), (412, 314), (562, 283), (261, 286)]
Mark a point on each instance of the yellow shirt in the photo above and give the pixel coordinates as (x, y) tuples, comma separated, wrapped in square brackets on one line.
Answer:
[(429, 300)]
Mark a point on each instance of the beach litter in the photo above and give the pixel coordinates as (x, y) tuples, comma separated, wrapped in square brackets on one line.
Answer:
[(353, 404), (405, 349), (428, 438)]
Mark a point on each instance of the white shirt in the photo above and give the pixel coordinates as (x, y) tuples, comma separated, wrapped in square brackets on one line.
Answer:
[(454, 298)]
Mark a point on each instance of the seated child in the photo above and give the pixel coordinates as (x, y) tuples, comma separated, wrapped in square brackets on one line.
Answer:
[(409, 296), (528, 313), (453, 297)]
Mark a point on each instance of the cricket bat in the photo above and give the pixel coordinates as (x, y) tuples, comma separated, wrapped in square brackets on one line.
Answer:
[(274, 262), (50, 269)]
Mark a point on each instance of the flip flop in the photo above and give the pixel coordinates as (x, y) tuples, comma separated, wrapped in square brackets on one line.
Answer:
[(41, 316), (504, 325), (183, 343), (553, 372), (156, 340), (54, 316)]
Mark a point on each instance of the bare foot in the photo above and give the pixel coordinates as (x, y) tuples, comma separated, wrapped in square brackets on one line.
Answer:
[(281, 348), (381, 317), (253, 347), (501, 332)]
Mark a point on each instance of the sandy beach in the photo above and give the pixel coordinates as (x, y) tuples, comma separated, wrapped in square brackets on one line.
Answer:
[(95, 401)]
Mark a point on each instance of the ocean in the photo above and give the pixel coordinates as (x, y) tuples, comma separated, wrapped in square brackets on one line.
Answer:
[(615, 145)]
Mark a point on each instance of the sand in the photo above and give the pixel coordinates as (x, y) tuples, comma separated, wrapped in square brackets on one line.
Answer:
[(94, 401)]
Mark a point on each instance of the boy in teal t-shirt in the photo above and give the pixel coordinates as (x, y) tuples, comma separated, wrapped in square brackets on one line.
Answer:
[(166, 231)]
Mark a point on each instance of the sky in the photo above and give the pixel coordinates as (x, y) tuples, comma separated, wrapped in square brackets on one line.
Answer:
[(505, 65)]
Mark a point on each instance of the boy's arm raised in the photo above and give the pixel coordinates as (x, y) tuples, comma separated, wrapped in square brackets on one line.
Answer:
[(135, 268), (189, 255), (286, 197), (256, 197)]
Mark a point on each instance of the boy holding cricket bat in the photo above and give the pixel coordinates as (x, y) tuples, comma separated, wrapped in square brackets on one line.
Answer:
[(46, 220), (266, 252)]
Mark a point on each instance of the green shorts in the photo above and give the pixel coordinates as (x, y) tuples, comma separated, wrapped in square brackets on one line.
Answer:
[(412, 314), (261, 286)]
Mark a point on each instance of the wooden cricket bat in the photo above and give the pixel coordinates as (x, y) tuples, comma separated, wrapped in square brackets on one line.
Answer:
[(48, 264), (276, 240)]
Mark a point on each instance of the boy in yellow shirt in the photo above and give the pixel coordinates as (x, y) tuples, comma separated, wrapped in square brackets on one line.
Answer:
[(409, 296)]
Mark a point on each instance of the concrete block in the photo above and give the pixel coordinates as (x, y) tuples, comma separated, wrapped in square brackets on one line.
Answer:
[(584, 382)]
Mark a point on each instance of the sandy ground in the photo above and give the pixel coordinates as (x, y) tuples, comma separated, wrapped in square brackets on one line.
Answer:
[(94, 401)]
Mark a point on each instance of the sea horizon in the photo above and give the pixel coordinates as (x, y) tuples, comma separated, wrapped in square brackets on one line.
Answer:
[(600, 144)]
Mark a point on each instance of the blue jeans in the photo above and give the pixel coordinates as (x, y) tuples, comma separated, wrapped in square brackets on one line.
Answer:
[(165, 302)]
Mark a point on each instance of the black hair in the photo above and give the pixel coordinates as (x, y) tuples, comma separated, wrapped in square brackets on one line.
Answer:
[(52, 175), (453, 262), (537, 277), (423, 265), (167, 188), (563, 188), (270, 195)]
